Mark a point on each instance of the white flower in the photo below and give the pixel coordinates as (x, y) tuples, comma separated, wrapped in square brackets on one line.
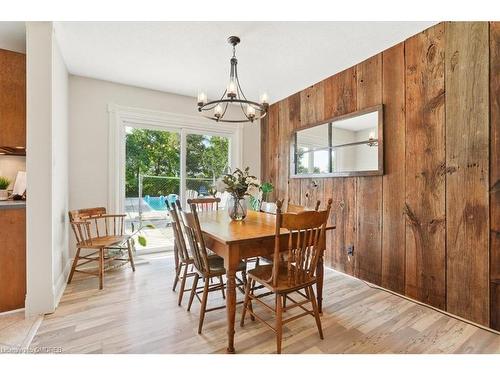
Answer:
[(220, 185), (252, 180)]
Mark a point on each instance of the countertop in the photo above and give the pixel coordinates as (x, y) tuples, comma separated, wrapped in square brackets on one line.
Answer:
[(12, 204)]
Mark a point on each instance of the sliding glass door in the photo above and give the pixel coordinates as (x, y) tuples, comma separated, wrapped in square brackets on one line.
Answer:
[(163, 164)]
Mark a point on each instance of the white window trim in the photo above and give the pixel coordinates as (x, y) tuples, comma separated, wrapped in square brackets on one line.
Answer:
[(120, 115)]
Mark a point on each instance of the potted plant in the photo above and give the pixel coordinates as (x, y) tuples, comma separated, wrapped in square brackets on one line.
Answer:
[(265, 189), (4, 184), (238, 184)]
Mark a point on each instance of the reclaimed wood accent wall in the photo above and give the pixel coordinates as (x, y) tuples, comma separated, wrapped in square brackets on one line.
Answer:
[(429, 228)]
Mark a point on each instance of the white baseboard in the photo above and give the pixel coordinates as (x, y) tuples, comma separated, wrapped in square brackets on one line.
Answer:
[(62, 281)]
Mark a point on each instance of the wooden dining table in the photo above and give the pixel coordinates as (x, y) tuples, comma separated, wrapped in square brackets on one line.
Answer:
[(237, 240)]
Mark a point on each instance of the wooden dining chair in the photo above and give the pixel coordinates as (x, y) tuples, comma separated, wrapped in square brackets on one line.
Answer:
[(270, 207), (295, 208), (182, 258), (207, 267), (205, 203), (99, 232), (293, 273)]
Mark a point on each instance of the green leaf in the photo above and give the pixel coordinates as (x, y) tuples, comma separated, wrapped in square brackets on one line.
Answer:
[(151, 226), (142, 240)]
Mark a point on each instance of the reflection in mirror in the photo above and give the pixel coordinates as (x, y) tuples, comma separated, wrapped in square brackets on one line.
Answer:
[(313, 150), (345, 146), (356, 141)]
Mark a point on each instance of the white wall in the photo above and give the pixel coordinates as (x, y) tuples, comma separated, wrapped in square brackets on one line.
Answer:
[(10, 165), (47, 245), (88, 133), (60, 260)]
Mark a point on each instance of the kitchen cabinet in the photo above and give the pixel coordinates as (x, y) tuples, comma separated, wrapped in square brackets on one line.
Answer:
[(12, 99), (12, 257)]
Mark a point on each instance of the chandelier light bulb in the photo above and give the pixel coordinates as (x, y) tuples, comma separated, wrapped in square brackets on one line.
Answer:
[(250, 111), (218, 110), (371, 136), (202, 98), (231, 89), (264, 99)]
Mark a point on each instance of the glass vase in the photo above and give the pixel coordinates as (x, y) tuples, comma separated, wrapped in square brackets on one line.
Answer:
[(236, 208)]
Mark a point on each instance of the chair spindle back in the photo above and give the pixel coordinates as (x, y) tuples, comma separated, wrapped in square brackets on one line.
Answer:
[(194, 234), (180, 241), (94, 222), (205, 204), (304, 243)]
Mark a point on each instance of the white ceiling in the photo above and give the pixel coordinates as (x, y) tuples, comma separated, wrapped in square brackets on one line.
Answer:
[(183, 57), (280, 58), (13, 36)]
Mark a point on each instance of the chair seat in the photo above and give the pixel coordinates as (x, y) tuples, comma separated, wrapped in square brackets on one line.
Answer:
[(104, 241), (262, 274), (216, 264)]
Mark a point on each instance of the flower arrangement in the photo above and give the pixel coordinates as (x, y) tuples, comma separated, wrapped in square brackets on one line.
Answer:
[(239, 184)]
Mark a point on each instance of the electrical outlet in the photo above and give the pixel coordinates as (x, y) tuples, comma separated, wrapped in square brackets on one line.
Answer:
[(350, 250)]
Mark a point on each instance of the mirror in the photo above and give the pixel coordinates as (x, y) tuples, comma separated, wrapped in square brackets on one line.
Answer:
[(350, 145)]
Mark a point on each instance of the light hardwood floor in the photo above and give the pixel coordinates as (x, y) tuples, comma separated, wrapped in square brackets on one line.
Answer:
[(138, 313)]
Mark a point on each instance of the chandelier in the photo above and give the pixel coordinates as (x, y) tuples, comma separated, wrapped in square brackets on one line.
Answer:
[(249, 111)]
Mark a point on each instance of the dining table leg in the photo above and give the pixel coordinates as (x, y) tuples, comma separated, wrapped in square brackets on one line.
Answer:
[(231, 261)]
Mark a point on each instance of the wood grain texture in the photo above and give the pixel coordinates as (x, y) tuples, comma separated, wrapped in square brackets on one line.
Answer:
[(312, 190), (368, 247), (340, 99), (312, 104), (495, 173), (425, 161), (273, 148), (467, 143), (356, 319), (285, 130), (412, 203), (12, 99), (12, 259), (393, 198), (340, 93), (264, 148)]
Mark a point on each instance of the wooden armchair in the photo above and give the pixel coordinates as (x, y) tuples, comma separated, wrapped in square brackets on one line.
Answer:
[(98, 232), (294, 273)]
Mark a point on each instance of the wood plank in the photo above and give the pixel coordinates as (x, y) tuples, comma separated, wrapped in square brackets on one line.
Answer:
[(289, 118), (350, 224), (467, 165), (273, 149), (425, 161), (368, 252), (340, 93), (340, 99), (13, 259), (281, 188), (294, 193), (495, 173), (264, 149), (12, 99), (312, 104), (356, 319), (342, 215), (393, 191), (312, 190)]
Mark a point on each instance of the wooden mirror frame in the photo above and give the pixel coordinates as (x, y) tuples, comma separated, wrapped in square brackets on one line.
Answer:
[(380, 139)]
